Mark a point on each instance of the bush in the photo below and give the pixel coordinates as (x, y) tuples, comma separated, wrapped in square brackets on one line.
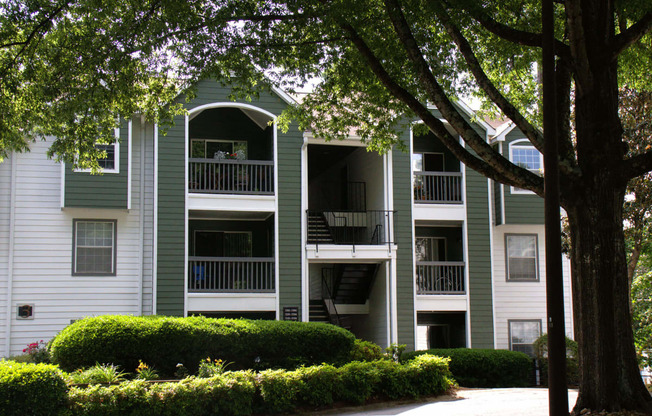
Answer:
[(162, 342), (31, 389), (270, 391), (572, 362), (97, 374), (366, 351), (484, 368)]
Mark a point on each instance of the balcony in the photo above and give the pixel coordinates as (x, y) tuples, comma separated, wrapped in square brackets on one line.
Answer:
[(438, 188), (345, 227), (227, 176), (231, 275), (440, 278)]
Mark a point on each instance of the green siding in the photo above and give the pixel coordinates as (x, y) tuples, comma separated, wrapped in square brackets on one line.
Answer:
[(108, 190), (521, 208), (479, 260), (403, 238), (171, 199)]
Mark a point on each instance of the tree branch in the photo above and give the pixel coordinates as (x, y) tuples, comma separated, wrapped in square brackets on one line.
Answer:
[(487, 86), (515, 175), (631, 35), (636, 166), (519, 37)]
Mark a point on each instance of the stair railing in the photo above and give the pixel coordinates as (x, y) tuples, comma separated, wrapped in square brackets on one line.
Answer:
[(324, 282)]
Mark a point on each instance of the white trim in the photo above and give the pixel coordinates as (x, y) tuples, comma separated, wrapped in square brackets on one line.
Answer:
[(141, 215), (469, 112), (467, 260), (491, 261), (517, 191), (284, 95), (305, 267), (155, 234), (10, 255), (502, 193), (195, 111), (116, 156), (391, 266), (235, 302), (276, 224), (502, 131), (413, 235), (63, 185), (186, 226), (394, 302), (129, 155), (226, 202)]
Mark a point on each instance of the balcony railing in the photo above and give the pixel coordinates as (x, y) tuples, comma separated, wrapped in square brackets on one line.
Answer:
[(438, 187), (440, 278), (231, 274), (220, 176), (350, 227)]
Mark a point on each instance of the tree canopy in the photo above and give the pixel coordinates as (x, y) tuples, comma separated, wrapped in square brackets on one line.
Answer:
[(70, 69)]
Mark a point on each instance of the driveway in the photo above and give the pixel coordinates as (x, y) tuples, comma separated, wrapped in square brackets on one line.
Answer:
[(466, 402)]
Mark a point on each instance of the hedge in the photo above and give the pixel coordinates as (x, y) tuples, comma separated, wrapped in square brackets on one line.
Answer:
[(572, 362), (270, 391), (162, 342), (485, 368), (31, 389)]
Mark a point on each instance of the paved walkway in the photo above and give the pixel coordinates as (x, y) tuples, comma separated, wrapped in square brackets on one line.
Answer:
[(466, 402)]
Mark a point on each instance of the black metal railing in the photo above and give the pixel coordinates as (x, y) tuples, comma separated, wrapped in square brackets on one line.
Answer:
[(440, 278), (438, 187), (345, 227), (231, 274), (231, 176), (327, 281)]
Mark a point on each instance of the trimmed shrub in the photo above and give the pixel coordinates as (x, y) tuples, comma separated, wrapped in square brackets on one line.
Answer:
[(228, 394), (31, 389), (366, 351), (484, 368), (572, 362), (270, 391), (162, 342)]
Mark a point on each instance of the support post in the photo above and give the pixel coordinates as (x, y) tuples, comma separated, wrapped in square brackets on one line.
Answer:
[(557, 389)]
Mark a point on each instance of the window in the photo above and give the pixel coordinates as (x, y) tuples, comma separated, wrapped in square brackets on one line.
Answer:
[(523, 154), (94, 247), (521, 257), (522, 334), (207, 149), (430, 248), (428, 162), (107, 163)]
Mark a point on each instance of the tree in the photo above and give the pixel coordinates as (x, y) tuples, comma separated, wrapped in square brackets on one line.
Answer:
[(381, 63)]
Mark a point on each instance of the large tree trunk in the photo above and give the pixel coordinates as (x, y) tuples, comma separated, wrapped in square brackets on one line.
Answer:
[(609, 374)]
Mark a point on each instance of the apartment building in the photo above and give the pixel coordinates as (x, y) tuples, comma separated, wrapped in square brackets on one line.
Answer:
[(226, 215)]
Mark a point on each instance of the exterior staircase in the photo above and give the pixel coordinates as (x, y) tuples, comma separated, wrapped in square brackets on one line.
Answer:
[(353, 282), (318, 231), (318, 311)]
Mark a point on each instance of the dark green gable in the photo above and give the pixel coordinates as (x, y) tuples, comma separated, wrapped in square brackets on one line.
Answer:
[(171, 203), (520, 208), (109, 190)]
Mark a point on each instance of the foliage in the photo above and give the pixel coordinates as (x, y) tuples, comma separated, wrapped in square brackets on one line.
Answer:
[(165, 341), (642, 317), (395, 351), (208, 368), (99, 373), (572, 363), (145, 372), (268, 392), (31, 389), (484, 368), (365, 351), (38, 352)]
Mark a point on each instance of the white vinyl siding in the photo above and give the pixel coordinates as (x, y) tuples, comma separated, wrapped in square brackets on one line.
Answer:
[(42, 272), (523, 300)]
